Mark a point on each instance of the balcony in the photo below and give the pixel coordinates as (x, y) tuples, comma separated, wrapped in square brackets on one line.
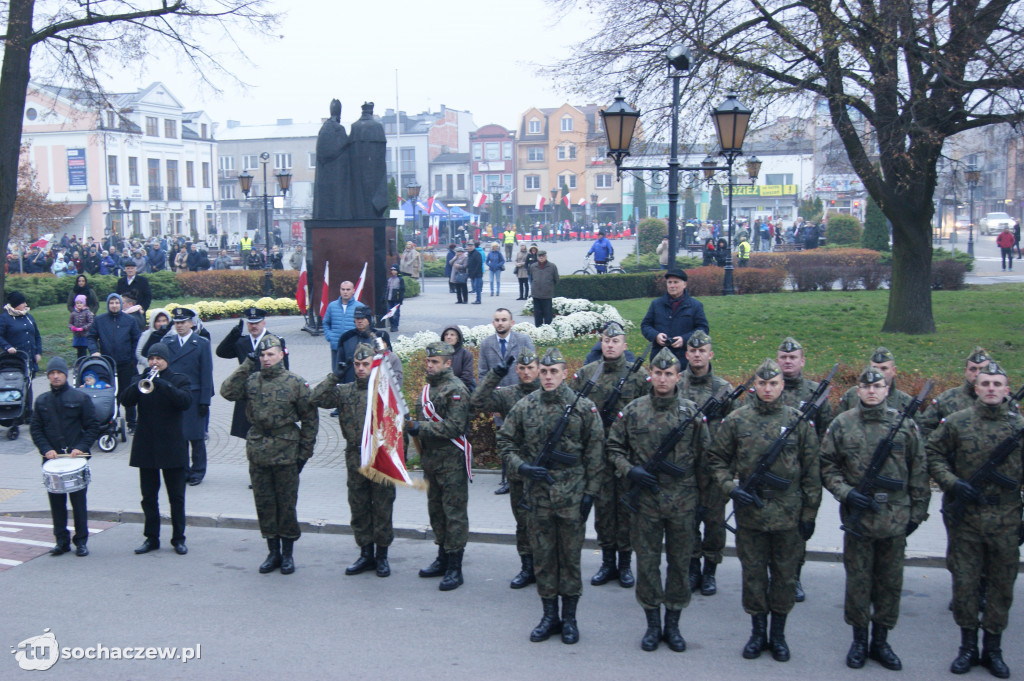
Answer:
[(156, 193), (174, 193)]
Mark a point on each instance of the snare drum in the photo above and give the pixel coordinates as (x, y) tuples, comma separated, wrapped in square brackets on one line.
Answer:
[(63, 476)]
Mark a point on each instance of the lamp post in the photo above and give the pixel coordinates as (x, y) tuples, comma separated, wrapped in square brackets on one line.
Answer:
[(554, 210), (973, 176), (412, 192), (284, 181), (731, 119), (495, 192), (593, 208)]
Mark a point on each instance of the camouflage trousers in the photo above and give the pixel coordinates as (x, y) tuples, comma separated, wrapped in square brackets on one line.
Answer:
[(714, 535), (651, 529), (611, 517), (447, 499), (370, 504), (556, 536), (769, 561), (971, 554), (515, 497), (874, 579), (276, 491)]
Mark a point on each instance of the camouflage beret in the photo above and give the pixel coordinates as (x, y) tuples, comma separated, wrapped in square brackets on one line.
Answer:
[(613, 329), (527, 356), (552, 357), (440, 349), (269, 341), (768, 369), (978, 355), (363, 351), (790, 344), (698, 339), (881, 355), (870, 375), (665, 359), (992, 369)]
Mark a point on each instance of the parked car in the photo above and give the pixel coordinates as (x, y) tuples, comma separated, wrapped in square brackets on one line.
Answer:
[(993, 223)]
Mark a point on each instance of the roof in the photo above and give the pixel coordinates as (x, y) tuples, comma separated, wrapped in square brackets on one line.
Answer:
[(451, 158), (268, 131)]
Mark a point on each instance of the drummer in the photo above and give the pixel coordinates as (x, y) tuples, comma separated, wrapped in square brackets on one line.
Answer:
[(64, 423)]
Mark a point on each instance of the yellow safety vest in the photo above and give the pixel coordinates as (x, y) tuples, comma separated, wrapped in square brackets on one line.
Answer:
[(510, 236), (744, 249), (246, 243)]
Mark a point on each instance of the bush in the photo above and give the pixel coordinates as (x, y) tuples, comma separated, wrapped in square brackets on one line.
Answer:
[(650, 232), (844, 230), (163, 285), (412, 287), (948, 275), (939, 254), (750, 280), (610, 286), (433, 266), (235, 283), (810, 276), (876, 228), (704, 281), (649, 262)]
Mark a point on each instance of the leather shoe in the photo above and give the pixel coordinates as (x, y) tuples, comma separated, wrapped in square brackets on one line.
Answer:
[(180, 548), (147, 546), (82, 551), (60, 549), (194, 481)]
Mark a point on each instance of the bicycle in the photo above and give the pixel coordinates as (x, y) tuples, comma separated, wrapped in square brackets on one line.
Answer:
[(590, 268)]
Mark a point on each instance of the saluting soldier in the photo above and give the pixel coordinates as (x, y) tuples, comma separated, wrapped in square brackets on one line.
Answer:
[(698, 383), (369, 502), (275, 401), (611, 517), (667, 501), (768, 539), (873, 557), (488, 397), (986, 540), (560, 495), (443, 407), (955, 399), (885, 362)]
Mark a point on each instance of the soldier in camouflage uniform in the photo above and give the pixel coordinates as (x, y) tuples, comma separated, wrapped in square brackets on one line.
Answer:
[(666, 504), (370, 502), (885, 362), (277, 449), (986, 541), (560, 495), (768, 539), (698, 384), (445, 466), (955, 399), (874, 559), (611, 517), (798, 390), (489, 398)]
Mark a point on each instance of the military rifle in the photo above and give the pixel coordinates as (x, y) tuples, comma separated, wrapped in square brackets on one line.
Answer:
[(809, 405), (729, 399), (608, 410), (954, 510), (872, 479)]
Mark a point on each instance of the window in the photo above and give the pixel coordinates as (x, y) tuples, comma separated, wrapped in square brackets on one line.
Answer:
[(152, 126), (282, 161), (206, 174), (478, 183), (535, 154), (408, 159), (153, 171), (652, 211), (478, 151), (190, 174), (566, 123), (506, 151), (170, 129), (449, 185), (506, 180), (154, 224), (111, 119), (568, 180), (532, 183), (111, 170), (778, 178), (534, 126), (493, 180), (460, 182), (226, 163), (227, 191), (172, 173), (193, 219), (603, 181), (250, 162), (492, 151), (133, 171), (312, 159), (567, 152), (203, 130), (438, 181)]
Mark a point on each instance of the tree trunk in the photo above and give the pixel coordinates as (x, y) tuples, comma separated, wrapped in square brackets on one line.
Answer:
[(910, 295), (14, 78)]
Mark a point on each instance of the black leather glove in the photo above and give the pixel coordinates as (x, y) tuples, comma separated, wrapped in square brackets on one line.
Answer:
[(966, 491), (586, 503), (911, 527), (412, 427), (254, 356), (741, 498), (204, 410), (806, 529), (639, 476), (858, 500), (241, 326), (339, 371), (502, 369), (529, 471)]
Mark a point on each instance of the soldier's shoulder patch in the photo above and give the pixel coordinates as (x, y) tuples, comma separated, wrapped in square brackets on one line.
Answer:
[(703, 418), (942, 421), (593, 408), (935, 400), (620, 414), (575, 375), (648, 379), (456, 397)]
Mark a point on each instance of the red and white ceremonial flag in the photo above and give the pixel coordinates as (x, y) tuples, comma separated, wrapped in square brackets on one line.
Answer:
[(566, 200), (382, 456), (359, 283), (540, 203), (325, 290), (600, 200), (430, 204), (479, 200), (42, 241), (582, 202), (302, 290), (507, 196), (432, 230), (391, 312)]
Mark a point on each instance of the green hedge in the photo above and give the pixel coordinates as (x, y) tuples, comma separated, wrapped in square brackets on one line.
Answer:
[(609, 286), (46, 289)]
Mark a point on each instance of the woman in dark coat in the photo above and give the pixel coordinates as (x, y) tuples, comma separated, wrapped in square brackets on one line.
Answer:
[(709, 251), (721, 252), (462, 360), (83, 288), (19, 331)]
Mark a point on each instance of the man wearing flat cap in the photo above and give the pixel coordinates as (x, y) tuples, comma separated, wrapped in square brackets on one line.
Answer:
[(671, 318), (884, 361), (544, 276), (190, 355)]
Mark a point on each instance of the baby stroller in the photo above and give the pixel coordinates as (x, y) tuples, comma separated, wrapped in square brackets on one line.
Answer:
[(104, 398), (15, 391)]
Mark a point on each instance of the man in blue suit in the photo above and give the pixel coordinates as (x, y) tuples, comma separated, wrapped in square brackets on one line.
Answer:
[(190, 355)]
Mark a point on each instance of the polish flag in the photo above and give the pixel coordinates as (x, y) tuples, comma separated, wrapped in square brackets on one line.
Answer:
[(582, 202), (566, 200), (540, 203), (391, 312), (42, 241), (430, 204), (600, 200), (432, 231), (325, 291), (302, 290), (479, 200), (359, 284), (507, 198)]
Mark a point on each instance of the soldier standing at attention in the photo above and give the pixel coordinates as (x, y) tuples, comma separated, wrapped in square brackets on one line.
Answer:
[(885, 362), (488, 398), (370, 502), (444, 406), (697, 385), (276, 447), (797, 391), (560, 495), (873, 558), (611, 517), (955, 399), (768, 539), (667, 503), (986, 540)]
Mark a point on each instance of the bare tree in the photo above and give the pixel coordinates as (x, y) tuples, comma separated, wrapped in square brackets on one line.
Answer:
[(915, 71), (34, 213), (72, 41)]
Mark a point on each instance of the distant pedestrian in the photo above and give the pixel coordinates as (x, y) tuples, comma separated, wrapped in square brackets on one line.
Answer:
[(1006, 242), (495, 265), (545, 278)]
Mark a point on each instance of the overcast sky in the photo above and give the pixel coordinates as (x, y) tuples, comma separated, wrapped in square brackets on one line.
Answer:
[(475, 55)]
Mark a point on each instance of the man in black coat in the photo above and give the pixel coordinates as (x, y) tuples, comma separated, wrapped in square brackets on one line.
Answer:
[(475, 270), (160, 445), (190, 355), (363, 333), (237, 345), (64, 423), (116, 335), (135, 287)]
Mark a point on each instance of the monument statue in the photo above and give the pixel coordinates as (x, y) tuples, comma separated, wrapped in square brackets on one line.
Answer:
[(351, 170), (369, 166), (331, 188)]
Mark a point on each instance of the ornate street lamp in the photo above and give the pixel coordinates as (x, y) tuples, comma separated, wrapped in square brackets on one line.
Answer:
[(731, 119), (753, 168), (973, 177), (284, 182), (412, 192)]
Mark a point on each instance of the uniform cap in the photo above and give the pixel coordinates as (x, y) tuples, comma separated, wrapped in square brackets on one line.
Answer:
[(552, 357), (870, 375), (362, 312), (993, 369), (254, 315), (269, 341), (182, 314), (613, 329), (527, 356), (790, 344), (698, 339), (440, 349), (767, 370), (665, 359), (363, 351), (882, 354), (978, 355)]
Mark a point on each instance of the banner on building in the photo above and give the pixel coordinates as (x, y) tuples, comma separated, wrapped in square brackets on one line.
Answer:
[(77, 179), (762, 190)]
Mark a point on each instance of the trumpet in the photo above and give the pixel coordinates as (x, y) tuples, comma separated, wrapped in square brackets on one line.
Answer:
[(146, 384)]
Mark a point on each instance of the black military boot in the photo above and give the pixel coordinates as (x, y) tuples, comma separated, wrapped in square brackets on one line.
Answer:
[(800, 595), (438, 567), (967, 656), (992, 656), (549, 623), (626, 579), (758, 641), (858, 654), (672, 637), (273, 560), (287, 562), (383, 566), (607, 572), (880, 651), (708, 585), (653, 634), (525, 575), (364, 562), (694, 575), (570, 632), (777, 638), (453, 575)]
